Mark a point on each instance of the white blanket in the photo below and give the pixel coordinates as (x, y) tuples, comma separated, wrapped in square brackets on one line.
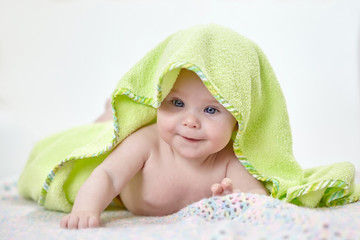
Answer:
[(236, 216)]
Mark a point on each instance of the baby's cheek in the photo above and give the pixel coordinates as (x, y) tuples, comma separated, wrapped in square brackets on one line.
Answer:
[(164, 118), (220, 140), (226, 135), (165, 129), (166, 125)]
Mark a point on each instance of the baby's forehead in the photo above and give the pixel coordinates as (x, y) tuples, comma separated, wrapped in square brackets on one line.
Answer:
[(188, 83), (194, 97), (188, 80)]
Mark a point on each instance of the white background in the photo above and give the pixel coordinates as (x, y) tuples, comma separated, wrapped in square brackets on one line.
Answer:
[(60, 60)]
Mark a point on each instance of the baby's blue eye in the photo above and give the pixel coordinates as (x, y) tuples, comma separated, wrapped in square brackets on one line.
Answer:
[(210, 110), (177, 103)]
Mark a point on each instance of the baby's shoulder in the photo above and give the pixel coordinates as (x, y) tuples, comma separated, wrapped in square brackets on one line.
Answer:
[(140, 143), (147, 135)]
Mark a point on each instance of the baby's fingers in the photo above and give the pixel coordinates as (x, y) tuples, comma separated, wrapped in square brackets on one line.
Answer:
[(80, 220), (94, 222), (227, 186), (64, 221), (216, 189), (83, 222), (73, 222)]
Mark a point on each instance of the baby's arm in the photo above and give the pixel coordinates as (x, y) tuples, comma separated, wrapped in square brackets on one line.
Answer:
[(93, 197), (237, 179), (106, 182)]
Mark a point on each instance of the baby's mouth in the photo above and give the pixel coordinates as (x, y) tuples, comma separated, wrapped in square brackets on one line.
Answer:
[(191, 139)]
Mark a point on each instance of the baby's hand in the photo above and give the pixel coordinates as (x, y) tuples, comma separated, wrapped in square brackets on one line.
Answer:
[(223, 188), (81, 219)]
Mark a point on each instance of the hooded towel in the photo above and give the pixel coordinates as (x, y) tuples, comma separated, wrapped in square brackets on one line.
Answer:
[(239, 76)]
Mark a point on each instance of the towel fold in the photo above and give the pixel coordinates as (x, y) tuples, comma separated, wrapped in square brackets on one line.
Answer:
[(239, 76)]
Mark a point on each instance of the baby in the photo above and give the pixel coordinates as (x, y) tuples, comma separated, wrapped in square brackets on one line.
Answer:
[(185, 156)]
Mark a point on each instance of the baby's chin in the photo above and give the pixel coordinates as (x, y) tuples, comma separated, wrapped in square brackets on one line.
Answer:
[(195, 154)]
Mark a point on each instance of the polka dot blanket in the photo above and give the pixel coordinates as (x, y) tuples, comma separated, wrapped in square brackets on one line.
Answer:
[(235, 216)]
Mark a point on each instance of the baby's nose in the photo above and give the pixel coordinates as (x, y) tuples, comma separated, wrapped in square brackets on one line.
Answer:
[(191, 121)]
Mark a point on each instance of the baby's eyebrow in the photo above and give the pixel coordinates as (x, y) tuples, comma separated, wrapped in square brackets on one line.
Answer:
[(212, 99), (172, 92), (208, 100)]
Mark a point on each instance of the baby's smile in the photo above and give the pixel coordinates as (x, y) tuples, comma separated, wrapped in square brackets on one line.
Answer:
[(191, 139)]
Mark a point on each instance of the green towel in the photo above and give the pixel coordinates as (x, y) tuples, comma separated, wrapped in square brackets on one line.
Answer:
[(239, 76)]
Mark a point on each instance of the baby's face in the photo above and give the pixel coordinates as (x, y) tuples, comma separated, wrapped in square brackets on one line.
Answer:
[(192, 121)]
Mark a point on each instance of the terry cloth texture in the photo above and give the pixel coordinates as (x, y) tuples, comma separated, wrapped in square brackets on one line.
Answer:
[(239, 76)]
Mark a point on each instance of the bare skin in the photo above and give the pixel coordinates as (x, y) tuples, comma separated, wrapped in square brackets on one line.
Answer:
[(161, 168)]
